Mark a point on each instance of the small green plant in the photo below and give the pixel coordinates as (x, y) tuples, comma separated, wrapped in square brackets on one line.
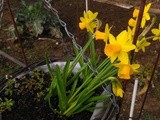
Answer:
[(76, 94), (148, 116), (35, 81), (10, 85), (33, 84), (33, 20), (6, 104)]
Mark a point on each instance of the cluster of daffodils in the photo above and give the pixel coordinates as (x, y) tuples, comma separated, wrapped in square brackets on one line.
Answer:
[(118, 48)]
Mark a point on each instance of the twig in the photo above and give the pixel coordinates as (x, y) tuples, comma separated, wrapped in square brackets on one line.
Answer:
[(0, 115), (149, 84), (12, 59), (134, 42), (136, 34), (17, 33), (44, 38)]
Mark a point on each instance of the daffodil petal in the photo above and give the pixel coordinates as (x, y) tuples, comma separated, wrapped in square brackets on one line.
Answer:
[(132, 22), (122, 37), (123, 57), (135, 67), (147, 16), (117, 89), (143, 22), (112, 39), (99, 35), (147, 7), (135, 13), (127, 48), (82, 26), (155, 31)]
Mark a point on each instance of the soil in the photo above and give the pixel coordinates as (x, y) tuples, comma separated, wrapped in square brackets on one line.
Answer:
[(109, 12), (28, 94)]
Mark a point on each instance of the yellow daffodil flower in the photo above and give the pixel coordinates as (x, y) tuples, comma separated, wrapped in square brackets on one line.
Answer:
[(119, 47), (125, 70), (117, 88), (88, 21), (130, 34), (156, 32), (141, 44), (132, 22), (103, 35)]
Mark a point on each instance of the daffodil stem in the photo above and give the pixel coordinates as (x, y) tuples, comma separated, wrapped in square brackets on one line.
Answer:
[(92, 50), (136, 34), (150, 37), (145, 31)]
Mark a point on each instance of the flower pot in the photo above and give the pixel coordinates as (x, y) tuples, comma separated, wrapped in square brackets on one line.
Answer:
[(103, 113)]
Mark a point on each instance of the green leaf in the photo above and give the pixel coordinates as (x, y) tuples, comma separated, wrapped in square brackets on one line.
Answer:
[(112, 73), (104, 63), (50, 71), (52, 87), (77, 74), (37, 27), (92, 51), (52, 90), (73, 87), (80, 103), (84, 96), (99, 98), (74, 80), (101, 83), (85, 107), (81, 61), (61, 89), (78, 57), (83, 86), (65, 71), (73, 105)]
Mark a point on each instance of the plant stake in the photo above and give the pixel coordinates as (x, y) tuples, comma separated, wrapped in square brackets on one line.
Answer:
[(143, 2), (17, 33), (133, 99), (87, 6)]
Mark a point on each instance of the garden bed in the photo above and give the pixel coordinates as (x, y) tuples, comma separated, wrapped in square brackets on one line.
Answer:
[(115, 16)]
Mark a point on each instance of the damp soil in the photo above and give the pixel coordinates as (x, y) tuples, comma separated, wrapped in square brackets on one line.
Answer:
[(69, 11), (28, 94)]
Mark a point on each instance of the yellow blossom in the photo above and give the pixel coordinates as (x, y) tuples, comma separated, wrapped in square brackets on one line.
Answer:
[(119, 47), (141, 44), (117, 88), (103, 35), (156, 32), (130, 34), (132, 22), (88, 21), (125, 70)]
